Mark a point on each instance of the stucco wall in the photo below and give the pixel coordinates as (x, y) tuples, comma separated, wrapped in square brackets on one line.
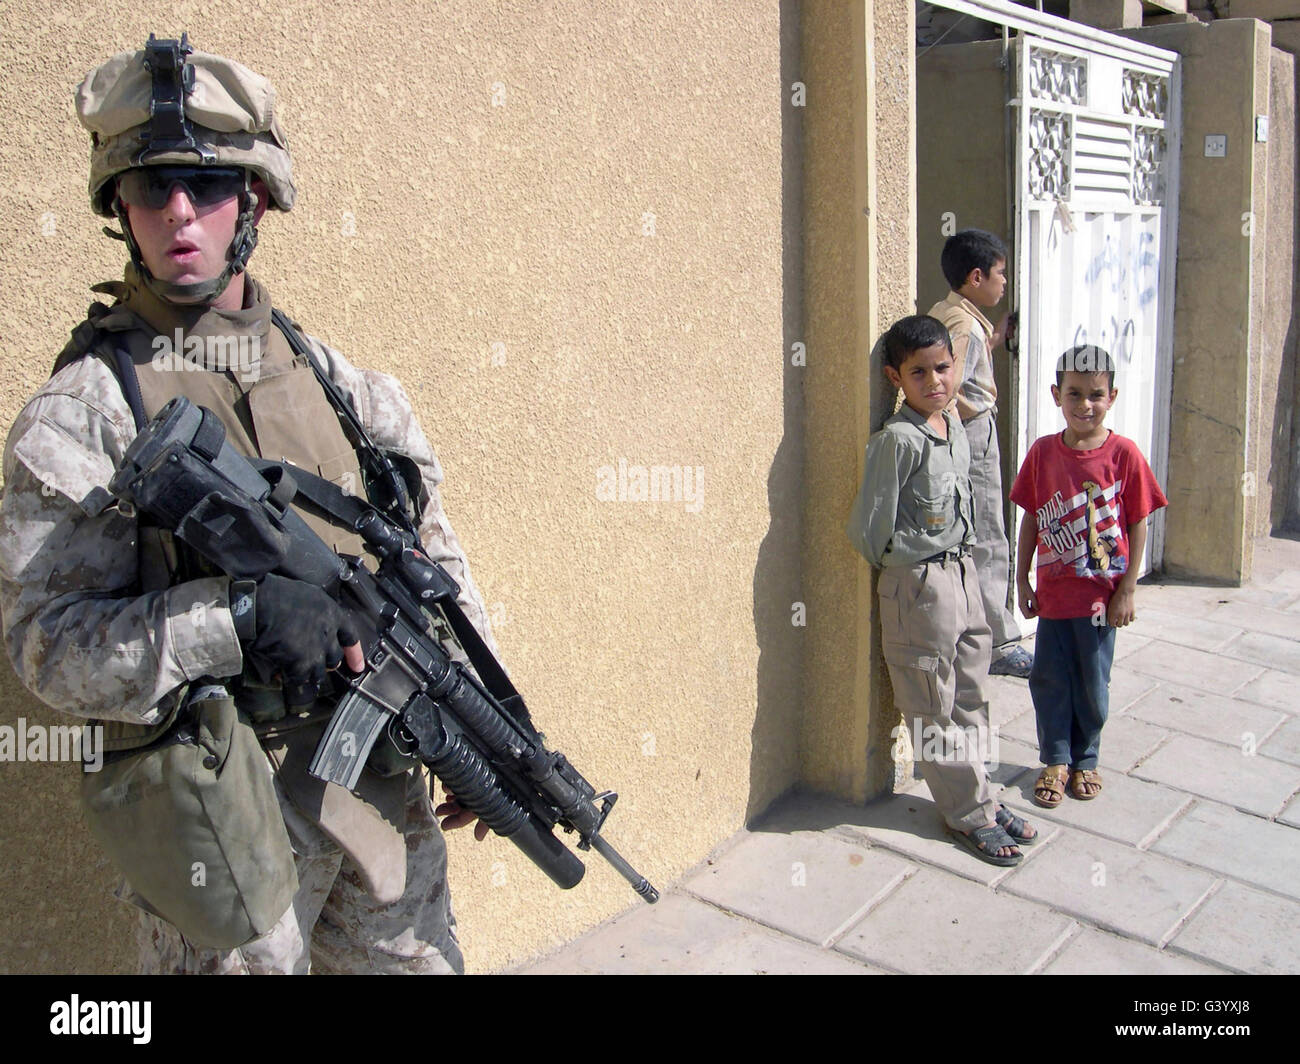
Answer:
[(1278, 346), (594, 269)]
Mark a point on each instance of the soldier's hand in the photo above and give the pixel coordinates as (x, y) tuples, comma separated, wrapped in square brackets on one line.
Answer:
[(296, 627), (458, 817)]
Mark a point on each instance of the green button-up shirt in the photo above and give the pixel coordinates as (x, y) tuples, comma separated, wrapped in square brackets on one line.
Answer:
[(915, 499)]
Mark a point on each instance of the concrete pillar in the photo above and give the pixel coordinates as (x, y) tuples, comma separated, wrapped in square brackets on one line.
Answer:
[(859, 270), (1107, 14)]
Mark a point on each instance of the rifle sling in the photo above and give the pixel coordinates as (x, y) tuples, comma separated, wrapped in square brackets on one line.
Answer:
[(380, 465)]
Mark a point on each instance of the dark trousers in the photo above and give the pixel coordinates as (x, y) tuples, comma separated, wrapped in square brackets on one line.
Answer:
[(1070, 686)]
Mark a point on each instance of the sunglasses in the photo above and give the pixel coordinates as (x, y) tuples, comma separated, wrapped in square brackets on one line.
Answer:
[(151, 186)]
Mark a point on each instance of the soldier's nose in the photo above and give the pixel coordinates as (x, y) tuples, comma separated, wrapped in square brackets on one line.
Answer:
[(179, 205)]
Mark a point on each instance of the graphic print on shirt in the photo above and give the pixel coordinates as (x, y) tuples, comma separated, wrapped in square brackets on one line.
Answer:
[(1083, 531)]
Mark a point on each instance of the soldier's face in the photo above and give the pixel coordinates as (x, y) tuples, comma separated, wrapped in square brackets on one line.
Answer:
[(186, 244)]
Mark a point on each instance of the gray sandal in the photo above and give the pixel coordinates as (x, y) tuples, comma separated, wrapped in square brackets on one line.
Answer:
[(1014, 826), (985, 842)]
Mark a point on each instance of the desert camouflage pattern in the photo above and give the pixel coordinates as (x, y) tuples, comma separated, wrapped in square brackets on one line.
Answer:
[(79, 634), (86, 640), (231, 111), (333, 927)]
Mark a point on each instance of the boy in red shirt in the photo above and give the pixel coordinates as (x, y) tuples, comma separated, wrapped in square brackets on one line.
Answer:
[(1086, 493)]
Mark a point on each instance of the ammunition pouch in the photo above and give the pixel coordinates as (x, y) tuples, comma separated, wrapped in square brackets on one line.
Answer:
[(193, 823)]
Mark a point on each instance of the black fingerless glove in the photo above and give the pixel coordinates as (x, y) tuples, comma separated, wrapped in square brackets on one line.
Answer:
[(291, 625)]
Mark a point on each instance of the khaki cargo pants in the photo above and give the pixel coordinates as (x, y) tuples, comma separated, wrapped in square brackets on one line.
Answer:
[(334, 927), (937, 647)]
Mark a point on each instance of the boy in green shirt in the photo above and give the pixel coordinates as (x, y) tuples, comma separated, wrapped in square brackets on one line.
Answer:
[(914, 520)]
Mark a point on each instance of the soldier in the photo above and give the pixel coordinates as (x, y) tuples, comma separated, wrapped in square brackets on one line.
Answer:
[(111, 619)]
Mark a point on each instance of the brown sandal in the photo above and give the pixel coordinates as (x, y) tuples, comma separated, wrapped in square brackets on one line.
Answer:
[(1049, 788), (1085, 777)]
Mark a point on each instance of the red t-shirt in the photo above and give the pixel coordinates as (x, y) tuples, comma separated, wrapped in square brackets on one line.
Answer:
[(1084, 502)]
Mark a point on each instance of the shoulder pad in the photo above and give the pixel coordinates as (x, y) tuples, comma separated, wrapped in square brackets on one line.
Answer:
[(83, 338)]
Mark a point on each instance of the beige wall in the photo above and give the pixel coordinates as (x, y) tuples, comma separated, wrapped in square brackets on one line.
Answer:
[(859, 268), (654, 645), (1218, 304), (1286, 37), (1278, 343)]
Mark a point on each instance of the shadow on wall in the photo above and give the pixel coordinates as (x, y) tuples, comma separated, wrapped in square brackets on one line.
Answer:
[(774, 757)]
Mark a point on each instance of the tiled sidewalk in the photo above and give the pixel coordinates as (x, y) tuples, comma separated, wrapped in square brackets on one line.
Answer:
[(1189, 861)]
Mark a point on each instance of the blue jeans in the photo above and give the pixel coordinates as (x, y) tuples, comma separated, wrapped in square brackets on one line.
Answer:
[(1070, 686)]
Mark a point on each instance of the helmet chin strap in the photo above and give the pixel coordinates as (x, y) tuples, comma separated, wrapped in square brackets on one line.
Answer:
[(241, 249)]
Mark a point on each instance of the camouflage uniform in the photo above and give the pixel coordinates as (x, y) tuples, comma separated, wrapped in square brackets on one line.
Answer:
[(89, 637)]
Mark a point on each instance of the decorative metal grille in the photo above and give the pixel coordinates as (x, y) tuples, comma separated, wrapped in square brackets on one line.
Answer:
[(1145, 95), (1148, 176), (1049, 155), (1056, 77)]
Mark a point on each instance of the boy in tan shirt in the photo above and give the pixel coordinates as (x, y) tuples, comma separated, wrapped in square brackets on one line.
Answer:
[(974, 263)]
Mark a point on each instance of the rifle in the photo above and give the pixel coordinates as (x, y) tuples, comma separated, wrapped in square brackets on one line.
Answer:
[(474, 732)]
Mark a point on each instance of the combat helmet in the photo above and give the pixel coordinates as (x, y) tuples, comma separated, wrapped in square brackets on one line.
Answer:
[(168, 105)]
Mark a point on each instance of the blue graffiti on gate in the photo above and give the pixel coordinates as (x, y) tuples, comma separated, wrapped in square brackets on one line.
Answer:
[(1138, 268)]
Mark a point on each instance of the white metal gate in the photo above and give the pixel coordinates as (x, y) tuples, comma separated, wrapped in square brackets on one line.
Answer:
[(1096, 138), (1096, 191)]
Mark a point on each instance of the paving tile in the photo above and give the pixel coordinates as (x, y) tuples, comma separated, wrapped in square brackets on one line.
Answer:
[(1284, 744), (1255, 783), (1256, 617), (682, 935), (1210, 716), (1181, 627), (1008, 700), (1271, 688), (1098, 953), (1291, 814), (809, 886), (1281, 599), (1237, 845), (1196, 668), (910, 824), (1141, 895), (1270, 651), (1125, 742), (1127, 810), (939, 924), (1024, 732), (1130, 644), (1196, 599), (1245, 930), (1014, 759), (1127, 687)]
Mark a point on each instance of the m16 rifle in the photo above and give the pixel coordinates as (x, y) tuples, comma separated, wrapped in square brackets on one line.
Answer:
[(474, 732)]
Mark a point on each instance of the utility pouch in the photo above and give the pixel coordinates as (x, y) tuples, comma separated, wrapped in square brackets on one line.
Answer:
[(193, 823)]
